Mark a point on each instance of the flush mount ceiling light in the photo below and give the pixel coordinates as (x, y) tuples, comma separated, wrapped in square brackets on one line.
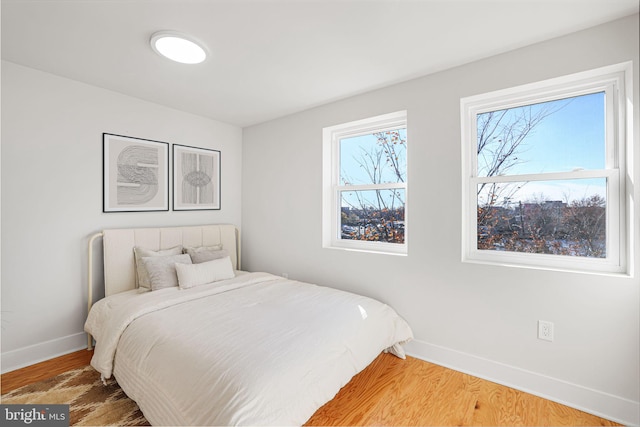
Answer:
[(178, 47)]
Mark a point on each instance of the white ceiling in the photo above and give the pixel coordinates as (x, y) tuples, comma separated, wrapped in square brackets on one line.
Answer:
[(270, 58)]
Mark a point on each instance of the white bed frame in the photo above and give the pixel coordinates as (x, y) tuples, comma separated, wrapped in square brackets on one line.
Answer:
[(119, 262)]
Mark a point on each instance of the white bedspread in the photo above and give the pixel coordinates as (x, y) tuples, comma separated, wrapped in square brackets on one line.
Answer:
[(253, 350)]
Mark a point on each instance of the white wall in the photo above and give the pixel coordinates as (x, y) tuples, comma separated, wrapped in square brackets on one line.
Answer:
[(476, 318), (52, 198)]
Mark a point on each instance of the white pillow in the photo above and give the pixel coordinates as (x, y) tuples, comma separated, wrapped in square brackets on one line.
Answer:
[(142, 275), (190, 275), (162, 270)]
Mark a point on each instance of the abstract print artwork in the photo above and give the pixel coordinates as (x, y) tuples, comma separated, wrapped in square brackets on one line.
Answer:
[(135, 174), (196, 178)]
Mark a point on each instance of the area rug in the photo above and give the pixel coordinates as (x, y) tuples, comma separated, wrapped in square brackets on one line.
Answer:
[(91, 403)]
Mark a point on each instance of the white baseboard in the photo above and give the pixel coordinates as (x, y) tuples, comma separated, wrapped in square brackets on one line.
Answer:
[(26, 356), (595, 402)]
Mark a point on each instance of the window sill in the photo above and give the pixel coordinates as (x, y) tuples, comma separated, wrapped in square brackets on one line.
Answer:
[(622, 273), (366, 249)]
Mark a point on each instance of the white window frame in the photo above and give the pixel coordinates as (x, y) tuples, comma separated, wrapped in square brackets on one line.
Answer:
[(615, 81), (331, 205)]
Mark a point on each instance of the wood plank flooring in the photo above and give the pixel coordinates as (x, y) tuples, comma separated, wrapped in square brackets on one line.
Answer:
[(394, 392), (414, 392), (43, 370)]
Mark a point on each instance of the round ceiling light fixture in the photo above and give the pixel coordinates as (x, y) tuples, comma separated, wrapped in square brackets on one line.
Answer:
[(178, 47)]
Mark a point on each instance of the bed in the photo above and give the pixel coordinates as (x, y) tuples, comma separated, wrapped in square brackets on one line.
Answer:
[(235, 348)]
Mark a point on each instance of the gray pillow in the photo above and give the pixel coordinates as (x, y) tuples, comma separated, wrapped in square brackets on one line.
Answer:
[(142, 276), (205, 256), (201, 248), (162, 270)]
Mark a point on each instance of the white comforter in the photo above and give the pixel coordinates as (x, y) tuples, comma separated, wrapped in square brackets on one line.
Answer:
[(253, 350)]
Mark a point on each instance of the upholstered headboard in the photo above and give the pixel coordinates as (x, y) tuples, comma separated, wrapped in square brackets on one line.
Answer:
[(119, 264)]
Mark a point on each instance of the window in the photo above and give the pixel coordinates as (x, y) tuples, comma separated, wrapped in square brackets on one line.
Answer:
[(544, 173), (365, 184)]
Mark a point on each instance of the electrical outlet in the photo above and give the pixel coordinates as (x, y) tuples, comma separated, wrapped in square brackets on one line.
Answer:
[(285, 275), (545, 330)]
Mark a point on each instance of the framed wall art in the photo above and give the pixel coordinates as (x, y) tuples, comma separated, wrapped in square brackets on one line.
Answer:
[(135, 174), (196, 178)]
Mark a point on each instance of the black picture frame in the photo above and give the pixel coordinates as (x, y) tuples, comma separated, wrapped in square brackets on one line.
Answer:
[(135, 174), (196, 178)]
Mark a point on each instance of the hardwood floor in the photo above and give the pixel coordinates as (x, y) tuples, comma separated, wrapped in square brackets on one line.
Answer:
[(394, 392), (43, 370), (414, 392)]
